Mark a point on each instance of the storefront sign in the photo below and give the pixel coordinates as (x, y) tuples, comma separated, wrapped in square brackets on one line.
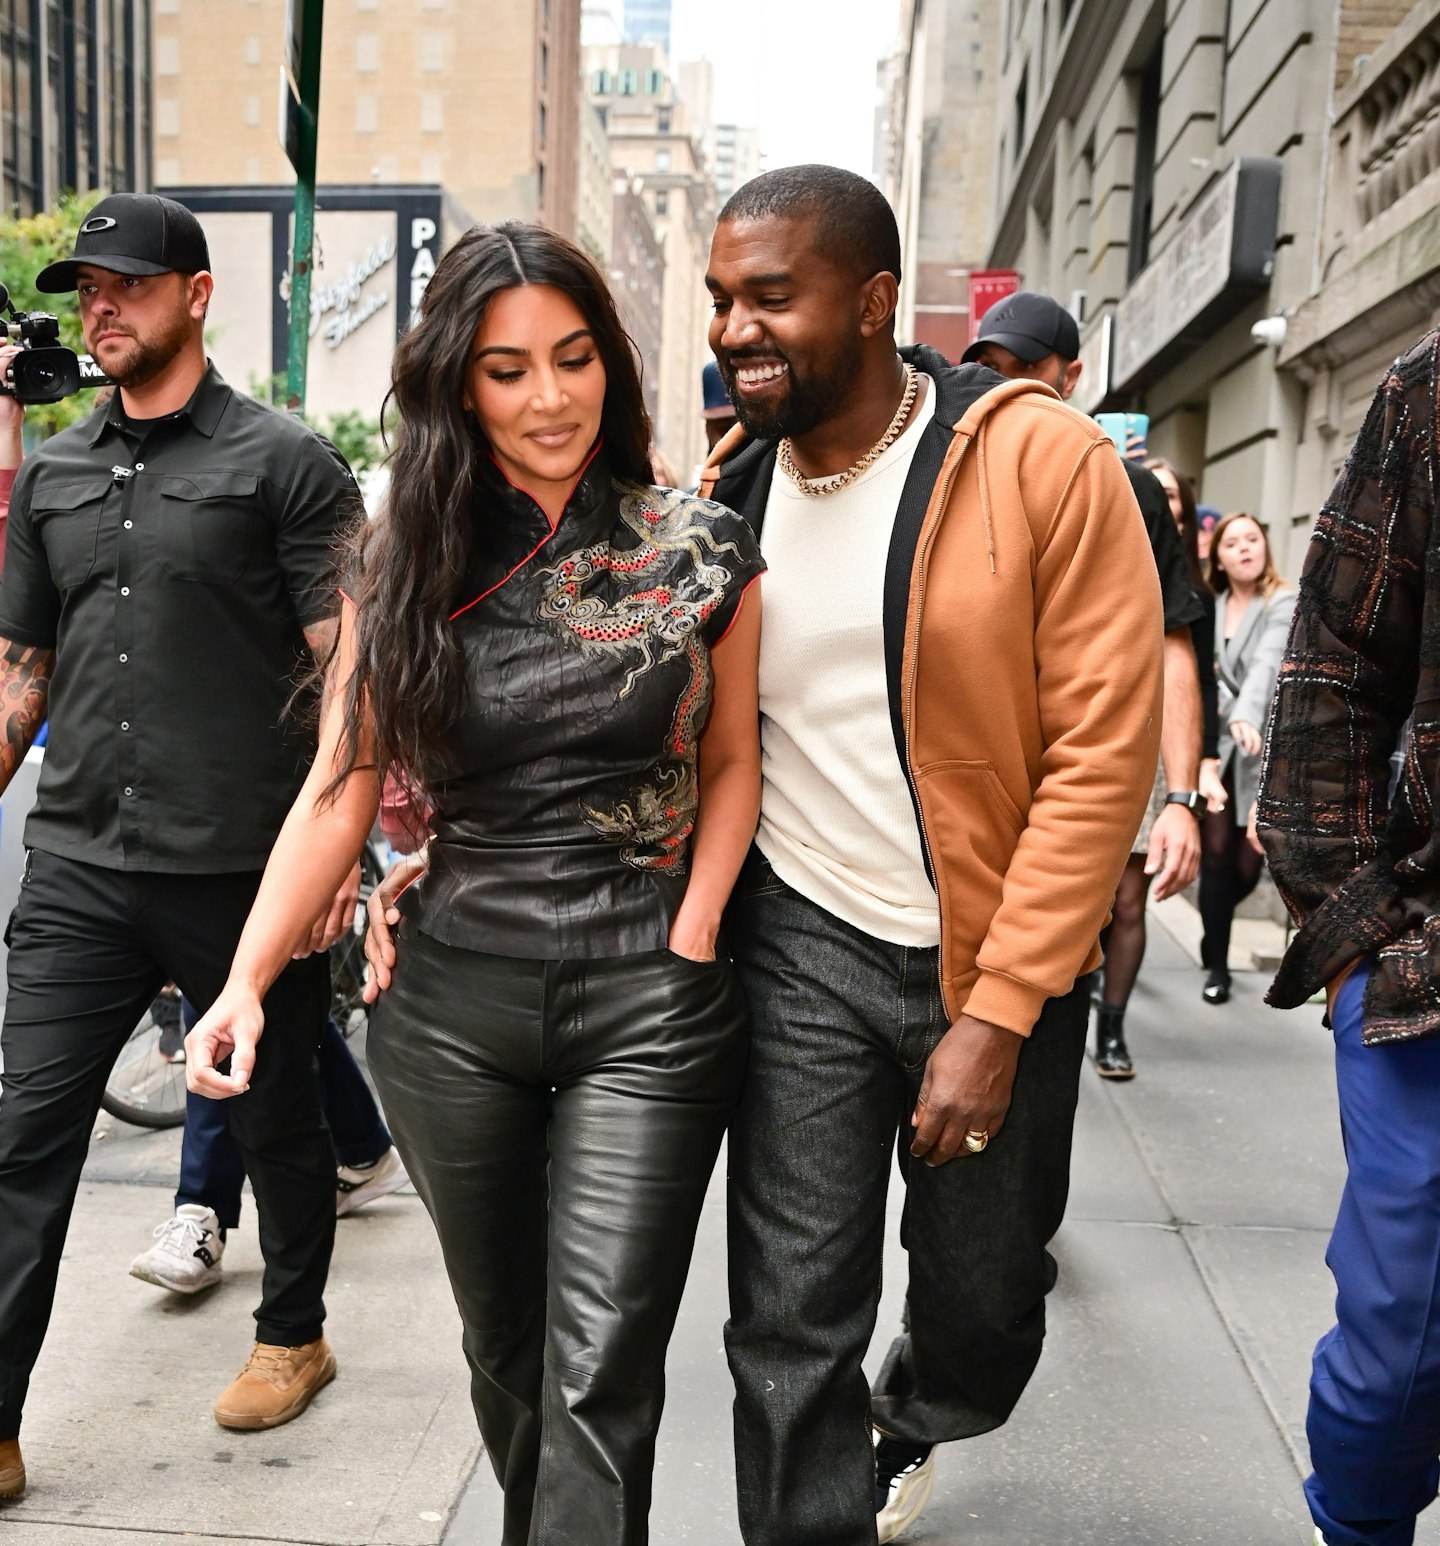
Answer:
[(1222, 255), (347, 297), (987, 286)]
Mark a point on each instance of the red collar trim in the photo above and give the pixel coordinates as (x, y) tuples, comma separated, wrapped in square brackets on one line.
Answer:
[(554, 523)]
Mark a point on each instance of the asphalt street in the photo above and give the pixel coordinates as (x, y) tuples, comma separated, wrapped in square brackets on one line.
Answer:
[(1168, 1409)]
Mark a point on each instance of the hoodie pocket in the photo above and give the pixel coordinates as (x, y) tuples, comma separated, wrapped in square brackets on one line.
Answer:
[(972, 826)]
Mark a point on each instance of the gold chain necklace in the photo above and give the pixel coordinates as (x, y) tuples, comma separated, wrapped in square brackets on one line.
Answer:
[(841, 480)]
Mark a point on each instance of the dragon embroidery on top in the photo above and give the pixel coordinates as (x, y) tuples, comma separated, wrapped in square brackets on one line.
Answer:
[(584, 597)]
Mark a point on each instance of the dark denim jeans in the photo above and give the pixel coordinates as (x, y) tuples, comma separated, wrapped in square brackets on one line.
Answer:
[(212, 1168), (842, 1025)]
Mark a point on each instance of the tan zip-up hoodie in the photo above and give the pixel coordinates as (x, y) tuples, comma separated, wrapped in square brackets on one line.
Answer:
[(1029, 685)]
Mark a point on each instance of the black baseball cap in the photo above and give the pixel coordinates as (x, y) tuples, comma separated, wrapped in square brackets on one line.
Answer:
[(1030, 326), (132, 233)]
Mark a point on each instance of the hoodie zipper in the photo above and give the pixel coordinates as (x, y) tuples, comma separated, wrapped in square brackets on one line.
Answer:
[(943, 494)]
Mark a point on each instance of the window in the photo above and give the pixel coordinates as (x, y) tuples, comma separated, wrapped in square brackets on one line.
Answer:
[(662, 202), (544, 124), (367, 113), (252, 49), (1142, 198), (1022, 96), (167, 116), (432, 112), (662, 160), (544, 66), (654, 82), (662, 120), (367, 53), (628, 83)]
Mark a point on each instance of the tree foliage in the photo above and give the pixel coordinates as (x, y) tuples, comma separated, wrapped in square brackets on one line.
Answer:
[(27, 244)]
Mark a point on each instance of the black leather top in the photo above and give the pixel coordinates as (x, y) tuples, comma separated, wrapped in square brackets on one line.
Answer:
[(563, 830)]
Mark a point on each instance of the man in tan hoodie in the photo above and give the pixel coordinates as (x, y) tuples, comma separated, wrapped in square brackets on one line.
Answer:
[(960, 689)]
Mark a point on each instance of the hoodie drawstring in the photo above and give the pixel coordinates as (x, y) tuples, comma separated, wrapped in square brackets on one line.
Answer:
[(985, 496)]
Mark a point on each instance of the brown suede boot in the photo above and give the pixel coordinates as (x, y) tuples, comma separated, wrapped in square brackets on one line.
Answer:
[(277, 1384), (12, 1469)]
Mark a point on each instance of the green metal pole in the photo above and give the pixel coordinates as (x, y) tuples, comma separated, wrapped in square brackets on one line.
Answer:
[(301, 264)]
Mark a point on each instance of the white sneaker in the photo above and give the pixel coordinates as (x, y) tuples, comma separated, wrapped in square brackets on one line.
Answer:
[(186, 1255), (904, 1480), (357, 1185)]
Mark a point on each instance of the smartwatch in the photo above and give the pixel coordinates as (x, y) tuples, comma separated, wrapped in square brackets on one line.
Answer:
[(1191, 799)]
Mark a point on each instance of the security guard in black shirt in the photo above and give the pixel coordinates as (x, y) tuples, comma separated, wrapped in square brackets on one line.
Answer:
[(167, 567)]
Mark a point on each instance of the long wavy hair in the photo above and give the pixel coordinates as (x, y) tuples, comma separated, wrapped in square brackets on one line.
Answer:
[(408, 565), (1189, 522)]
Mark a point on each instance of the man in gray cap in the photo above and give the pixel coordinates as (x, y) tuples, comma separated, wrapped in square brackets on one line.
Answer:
[(167, 569)]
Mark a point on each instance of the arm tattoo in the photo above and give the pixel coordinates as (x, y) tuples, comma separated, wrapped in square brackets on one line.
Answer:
[(321, 637), (25, 673)]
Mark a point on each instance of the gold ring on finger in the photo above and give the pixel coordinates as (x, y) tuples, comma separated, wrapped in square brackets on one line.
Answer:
[(976, 1141)]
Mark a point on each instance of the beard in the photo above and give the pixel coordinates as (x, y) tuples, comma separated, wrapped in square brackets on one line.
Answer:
[(810, 398), (139, 360)]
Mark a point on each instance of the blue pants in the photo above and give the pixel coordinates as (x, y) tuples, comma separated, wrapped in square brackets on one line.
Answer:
[(1374, 1421), (212, 1170)]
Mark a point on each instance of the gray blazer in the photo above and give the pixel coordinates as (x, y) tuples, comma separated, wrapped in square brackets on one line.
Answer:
[(1246, 667)]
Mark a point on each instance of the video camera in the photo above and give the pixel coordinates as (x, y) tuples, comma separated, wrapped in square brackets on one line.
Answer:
[(46, 371)]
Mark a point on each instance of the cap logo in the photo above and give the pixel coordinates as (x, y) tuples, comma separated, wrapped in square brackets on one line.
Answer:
[(97, 223)]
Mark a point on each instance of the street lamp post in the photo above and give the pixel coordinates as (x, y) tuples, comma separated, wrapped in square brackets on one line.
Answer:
[(299, 130)]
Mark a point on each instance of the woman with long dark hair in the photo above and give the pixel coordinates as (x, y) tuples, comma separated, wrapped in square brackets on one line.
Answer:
[(1125, 936), (1253, 609), (555, 655)]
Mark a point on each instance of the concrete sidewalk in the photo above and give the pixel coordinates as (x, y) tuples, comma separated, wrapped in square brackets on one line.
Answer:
[(1168, 1410)]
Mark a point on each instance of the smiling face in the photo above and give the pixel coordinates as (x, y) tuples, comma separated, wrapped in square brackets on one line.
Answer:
[(135, 325), (537, 386), (1242, 551), (787, 330)]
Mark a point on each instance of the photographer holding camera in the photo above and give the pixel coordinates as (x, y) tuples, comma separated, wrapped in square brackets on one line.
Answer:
[(168, 566), (12, 446)]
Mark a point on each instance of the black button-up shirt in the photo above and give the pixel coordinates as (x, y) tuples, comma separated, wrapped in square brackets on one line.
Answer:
[(563, 827), (174, 579)]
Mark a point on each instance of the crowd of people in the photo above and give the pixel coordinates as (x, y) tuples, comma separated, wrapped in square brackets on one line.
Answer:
[(841, 883)]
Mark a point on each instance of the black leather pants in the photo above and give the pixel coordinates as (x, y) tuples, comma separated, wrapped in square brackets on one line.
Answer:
[(561, 1120)]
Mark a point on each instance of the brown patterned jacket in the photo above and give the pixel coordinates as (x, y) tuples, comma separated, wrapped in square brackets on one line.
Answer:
[(1359, 868)]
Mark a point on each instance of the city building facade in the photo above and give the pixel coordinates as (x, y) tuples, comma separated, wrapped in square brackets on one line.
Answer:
[(1377, 257), (1159, 167), (654, 150), (595, 196), (934, 159), (74, 99), (637, 278), (483, 101), (736, 158)]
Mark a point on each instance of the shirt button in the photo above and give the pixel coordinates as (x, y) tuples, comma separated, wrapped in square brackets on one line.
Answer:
[(129, 790), (139, 466), (128, 525), (124, 590), (124, 724), (123, 659)]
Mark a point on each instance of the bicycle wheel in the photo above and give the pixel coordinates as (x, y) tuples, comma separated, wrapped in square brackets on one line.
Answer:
[(348, 1008), (146, 1087)]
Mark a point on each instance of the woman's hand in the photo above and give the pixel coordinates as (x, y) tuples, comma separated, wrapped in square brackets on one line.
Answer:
[(12, 415), (231, 1028), (1252, 835), (338, 919), (1212, 786), (692, 939), (383, 915), (1247, 737)]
